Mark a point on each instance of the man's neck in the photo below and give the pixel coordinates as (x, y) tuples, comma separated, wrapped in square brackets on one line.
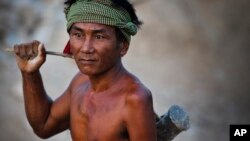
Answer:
[(104, 81)]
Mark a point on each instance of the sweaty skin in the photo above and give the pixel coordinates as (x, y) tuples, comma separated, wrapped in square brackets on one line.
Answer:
[(103, 102)]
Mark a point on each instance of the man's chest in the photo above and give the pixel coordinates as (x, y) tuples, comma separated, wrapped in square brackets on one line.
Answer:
[(95, 105), (98, 117)]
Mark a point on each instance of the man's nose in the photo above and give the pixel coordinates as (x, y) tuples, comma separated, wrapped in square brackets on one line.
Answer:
[(87, 46)]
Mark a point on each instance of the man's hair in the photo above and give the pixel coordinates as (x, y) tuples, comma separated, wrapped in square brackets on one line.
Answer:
[(118, 3)]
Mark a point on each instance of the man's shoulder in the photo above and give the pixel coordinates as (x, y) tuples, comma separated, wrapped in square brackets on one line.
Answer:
[(139, 96), (138, 100), (137, 92)]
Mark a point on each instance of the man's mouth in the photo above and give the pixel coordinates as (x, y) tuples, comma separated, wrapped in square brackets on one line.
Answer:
[(87, 61)]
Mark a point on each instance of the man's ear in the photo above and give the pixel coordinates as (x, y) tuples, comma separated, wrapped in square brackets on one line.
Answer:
[(124, 45)]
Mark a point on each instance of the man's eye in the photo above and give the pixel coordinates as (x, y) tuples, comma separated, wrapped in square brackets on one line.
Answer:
[(78, 35), (99, 37)]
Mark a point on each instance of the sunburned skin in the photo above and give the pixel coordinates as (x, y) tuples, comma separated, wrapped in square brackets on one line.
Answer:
[(104, 102), (101, 115)]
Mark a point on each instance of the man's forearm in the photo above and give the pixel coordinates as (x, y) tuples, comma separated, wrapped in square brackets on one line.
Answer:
[(37, 103)]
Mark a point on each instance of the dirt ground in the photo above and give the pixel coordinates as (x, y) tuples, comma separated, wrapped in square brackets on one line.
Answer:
[(191, 53)]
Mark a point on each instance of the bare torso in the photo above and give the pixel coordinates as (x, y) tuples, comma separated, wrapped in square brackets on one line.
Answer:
[(103, 102), (98, 116)]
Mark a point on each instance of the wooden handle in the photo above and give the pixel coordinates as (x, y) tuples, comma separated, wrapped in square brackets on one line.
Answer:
[(47, 52)]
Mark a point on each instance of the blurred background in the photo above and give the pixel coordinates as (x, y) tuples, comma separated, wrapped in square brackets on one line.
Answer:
[(193, 53)]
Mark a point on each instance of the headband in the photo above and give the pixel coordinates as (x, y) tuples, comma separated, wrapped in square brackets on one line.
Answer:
[(101, 12)]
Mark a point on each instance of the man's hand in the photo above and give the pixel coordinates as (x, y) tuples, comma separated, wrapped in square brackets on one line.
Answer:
[(30, 56)]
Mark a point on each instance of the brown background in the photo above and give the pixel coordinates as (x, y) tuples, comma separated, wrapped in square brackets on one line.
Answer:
[(194, 53)]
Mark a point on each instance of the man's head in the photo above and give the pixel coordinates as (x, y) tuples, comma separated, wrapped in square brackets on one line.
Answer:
[(117, 13), (100, 32), (95, 47)]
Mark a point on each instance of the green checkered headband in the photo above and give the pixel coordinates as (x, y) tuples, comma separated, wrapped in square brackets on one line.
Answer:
[(102, 12)]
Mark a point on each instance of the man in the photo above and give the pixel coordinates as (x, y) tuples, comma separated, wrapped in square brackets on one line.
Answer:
[(104, 102)]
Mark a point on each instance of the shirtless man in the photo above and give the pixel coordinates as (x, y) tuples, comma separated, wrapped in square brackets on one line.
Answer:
[(104, 102)]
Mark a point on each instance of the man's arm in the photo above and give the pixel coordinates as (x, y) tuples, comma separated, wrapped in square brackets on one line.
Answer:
[(45, 116), (140, 117)]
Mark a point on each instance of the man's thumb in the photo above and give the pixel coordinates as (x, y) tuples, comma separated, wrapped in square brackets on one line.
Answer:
[(41, 50)]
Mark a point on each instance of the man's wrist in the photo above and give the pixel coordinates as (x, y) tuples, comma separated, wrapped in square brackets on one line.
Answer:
[(29, 74)]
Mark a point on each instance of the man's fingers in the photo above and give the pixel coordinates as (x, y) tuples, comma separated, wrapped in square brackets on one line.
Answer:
[(16, 49), (38, 48), (35, 47), (41, 50), (29, 50), (26, 51), (21, 51)]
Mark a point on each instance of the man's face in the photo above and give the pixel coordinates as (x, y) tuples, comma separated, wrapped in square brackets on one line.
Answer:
[(95, 47)]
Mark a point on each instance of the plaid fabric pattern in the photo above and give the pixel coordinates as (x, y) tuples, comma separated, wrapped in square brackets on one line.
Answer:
[(102, 12)]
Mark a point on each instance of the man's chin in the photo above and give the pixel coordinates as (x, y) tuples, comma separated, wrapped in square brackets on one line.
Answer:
[(89, 72)]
